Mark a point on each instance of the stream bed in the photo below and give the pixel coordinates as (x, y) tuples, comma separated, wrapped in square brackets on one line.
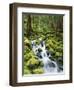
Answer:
[(44, 55)]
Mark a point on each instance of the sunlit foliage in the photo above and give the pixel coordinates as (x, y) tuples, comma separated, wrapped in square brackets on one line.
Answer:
[(50, 29)]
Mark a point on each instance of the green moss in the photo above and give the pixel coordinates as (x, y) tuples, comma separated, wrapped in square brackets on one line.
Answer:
[(38, 71), (27, 71), (32, 61), (55, 46)]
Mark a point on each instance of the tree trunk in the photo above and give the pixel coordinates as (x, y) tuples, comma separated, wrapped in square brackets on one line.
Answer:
[(29, 27)]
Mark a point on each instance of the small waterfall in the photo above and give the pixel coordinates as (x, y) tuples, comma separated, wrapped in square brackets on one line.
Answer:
[(43, 54)]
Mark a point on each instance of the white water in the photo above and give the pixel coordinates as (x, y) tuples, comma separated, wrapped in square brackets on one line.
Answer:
[(49, 65)]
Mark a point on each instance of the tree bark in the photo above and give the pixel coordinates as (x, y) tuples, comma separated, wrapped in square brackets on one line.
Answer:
[(29, 26)]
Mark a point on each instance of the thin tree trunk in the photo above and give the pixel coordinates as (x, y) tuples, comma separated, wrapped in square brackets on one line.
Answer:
[(29, 27)]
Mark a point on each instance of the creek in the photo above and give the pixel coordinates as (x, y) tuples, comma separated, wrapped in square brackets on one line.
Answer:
[(44, 55)]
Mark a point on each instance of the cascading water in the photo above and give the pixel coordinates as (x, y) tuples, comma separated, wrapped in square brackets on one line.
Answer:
[(42, 53)]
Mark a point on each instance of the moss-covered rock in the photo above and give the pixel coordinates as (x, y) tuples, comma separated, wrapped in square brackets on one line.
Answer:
[(27, 71), (38, 71)]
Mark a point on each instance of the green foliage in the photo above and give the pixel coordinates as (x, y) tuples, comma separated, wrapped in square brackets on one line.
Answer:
[(31, 61), (55, 46), (48, 28), (38, 71), (27, 71)]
